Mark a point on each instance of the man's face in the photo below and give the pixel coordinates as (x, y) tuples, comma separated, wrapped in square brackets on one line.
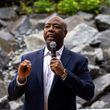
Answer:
[(55, 30)]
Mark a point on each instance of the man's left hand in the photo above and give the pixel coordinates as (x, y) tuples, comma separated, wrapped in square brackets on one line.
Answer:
[(57, 66)]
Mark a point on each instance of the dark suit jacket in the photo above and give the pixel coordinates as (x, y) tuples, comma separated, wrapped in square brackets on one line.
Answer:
[(63, 93)]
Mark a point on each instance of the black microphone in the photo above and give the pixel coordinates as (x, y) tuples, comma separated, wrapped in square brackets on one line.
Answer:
[(53, 48)]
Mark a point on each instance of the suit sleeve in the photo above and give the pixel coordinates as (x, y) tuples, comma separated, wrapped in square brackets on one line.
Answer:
[(81, 82), (14, 90)]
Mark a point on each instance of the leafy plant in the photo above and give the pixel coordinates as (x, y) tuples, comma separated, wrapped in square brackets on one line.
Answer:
[(43, 6), (25, 9), (90, 5), (68, 7), (106, 2)]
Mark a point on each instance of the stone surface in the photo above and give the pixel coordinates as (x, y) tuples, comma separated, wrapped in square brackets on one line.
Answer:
[(7, 13), (3, 89), (102, 22), (80, 37), (73, 21)]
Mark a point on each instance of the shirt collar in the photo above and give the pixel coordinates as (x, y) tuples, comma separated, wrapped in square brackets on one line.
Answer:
[(59, 52)]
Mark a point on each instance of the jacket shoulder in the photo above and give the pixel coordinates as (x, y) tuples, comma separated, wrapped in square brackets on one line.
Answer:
[(32, 54), (76, 55)]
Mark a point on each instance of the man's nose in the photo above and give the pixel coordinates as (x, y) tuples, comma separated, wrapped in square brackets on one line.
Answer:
[(51, 28)]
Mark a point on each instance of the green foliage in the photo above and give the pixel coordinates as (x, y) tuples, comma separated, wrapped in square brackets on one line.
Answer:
[(68, 7), (106, 2), (90, 5), (43, 6), (25, 9)]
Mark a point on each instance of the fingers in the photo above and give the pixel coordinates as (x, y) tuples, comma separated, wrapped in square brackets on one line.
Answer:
[(54, 62), (56, 66), (24, 69), (25, 64)]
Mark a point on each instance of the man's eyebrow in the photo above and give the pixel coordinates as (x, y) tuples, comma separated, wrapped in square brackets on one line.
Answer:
[(48, 24), (53, 24)]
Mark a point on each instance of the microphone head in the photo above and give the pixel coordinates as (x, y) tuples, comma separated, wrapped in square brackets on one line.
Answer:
[(53, 44)]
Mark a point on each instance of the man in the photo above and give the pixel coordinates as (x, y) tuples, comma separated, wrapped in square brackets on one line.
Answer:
[(52, 83)]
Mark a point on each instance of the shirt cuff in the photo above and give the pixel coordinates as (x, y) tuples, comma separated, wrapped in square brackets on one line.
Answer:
[(20, 84)]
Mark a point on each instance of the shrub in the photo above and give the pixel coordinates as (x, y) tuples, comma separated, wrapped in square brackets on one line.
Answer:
[(43, 6), (67, 7), (25, 9), (90, 5), (106, 2)]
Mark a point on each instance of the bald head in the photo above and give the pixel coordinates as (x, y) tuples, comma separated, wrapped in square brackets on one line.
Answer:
[(59, 19)]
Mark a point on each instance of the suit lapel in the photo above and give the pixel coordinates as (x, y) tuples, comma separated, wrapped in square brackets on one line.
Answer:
[(64, 59), (40, 67)]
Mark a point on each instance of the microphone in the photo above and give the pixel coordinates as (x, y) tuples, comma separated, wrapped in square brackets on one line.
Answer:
[(53, 48)]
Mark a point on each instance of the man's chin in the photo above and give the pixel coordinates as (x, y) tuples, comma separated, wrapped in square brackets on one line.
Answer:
[(50, 40)]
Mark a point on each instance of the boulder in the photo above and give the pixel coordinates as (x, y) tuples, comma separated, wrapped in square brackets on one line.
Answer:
[(102, 22), (80, 37)]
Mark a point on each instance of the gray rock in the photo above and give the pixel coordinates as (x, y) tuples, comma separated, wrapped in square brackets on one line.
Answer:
[(38, 17), (7, 13), (34, 42), (7, 42), (102, 83), (106, 65), (90, 55), (99, 57), (3, 89), (20, 27), (95, 43), (73, 21), (94, 71), (85, 15), (4, 105), (1, 75), (103, 102), (104, 37), (80, 37), (105, 10), (2, 24), (102, 22), (4, 59)]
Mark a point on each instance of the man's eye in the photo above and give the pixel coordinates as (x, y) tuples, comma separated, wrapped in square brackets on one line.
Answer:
[(54, 26), (58, 27), (47, 26)]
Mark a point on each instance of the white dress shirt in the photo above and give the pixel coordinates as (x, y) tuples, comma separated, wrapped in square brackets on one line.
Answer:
[(48, 75)]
